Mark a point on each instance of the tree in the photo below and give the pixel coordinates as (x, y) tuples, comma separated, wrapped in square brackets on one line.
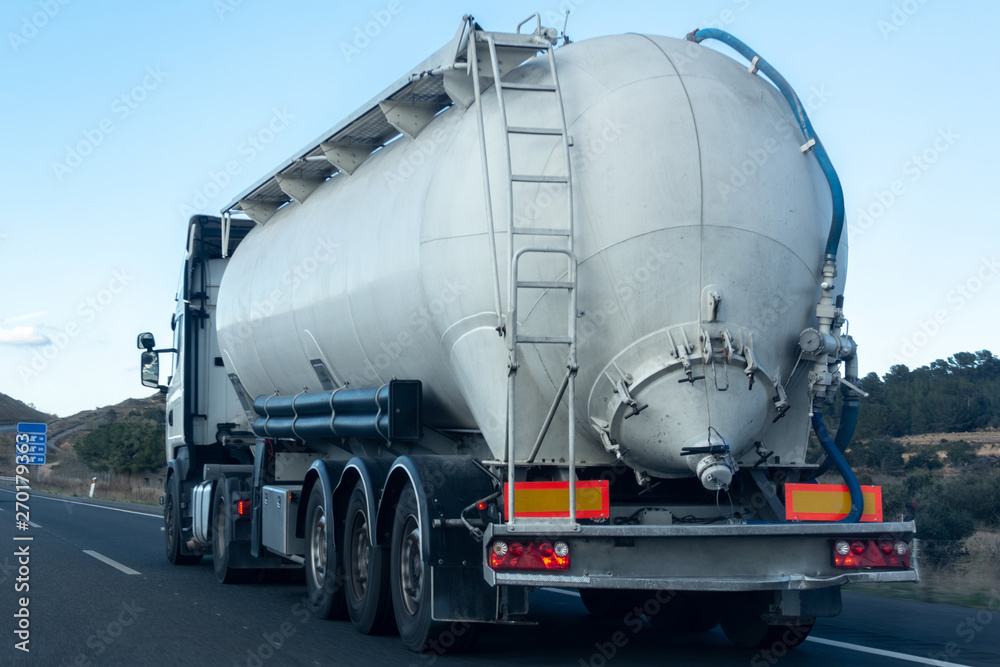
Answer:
[(123, 447)]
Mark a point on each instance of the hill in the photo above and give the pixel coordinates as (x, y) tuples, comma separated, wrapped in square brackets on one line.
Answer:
[(13, 411), (65, 433)]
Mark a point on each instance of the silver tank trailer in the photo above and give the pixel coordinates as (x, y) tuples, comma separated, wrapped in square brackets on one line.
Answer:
[(700, 229)]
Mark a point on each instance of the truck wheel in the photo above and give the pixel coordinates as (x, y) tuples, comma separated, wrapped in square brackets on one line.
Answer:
[(221, 538), (748, 630), (323, 573), (172, 529), (366, 570), (411, 589)]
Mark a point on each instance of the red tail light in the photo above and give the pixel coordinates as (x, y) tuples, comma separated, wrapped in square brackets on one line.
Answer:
[(882, 554), (243, 508), (529, 555)]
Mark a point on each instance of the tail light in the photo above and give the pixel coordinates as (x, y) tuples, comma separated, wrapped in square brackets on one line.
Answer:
[(529, 555), (243, 508), (881, 554)]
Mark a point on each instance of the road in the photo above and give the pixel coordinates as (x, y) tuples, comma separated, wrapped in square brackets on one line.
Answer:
[(102, 593)]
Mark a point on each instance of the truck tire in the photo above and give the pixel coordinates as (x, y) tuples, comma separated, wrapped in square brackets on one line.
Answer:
[(324, 575), (366, 570), (411, 588), (172, 528), (221, 520)]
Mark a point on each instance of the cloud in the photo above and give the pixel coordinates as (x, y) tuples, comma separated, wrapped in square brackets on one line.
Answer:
[(23, 336), (22, 318)]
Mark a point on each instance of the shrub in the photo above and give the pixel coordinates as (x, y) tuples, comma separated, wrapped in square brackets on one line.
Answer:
[(924, 459), (882, 455), (961, 453)]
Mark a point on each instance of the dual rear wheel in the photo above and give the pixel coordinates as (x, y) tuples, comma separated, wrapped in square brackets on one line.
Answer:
[(379, 589)]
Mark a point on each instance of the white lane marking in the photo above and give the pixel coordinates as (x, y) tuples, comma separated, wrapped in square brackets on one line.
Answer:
[(113, 563), (74, 502), (832, 642), (887, 654), (30, 523)]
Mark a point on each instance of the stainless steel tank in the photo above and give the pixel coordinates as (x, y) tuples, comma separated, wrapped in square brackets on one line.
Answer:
[(700, 228)]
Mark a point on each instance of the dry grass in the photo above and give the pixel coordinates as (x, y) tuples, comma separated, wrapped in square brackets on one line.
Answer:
[(119, 490)]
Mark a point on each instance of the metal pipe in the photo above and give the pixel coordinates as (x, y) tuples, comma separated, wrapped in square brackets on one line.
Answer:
[(548, 418), (491, 229)]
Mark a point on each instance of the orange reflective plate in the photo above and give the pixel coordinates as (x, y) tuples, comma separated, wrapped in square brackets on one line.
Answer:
[(551, 499), (829, 502)]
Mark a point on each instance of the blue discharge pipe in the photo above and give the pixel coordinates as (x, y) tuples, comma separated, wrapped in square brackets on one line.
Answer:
[(836, 190), (845, 431), (833, 454)]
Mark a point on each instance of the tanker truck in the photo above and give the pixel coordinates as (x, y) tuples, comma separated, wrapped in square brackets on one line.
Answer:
[(540, 314)]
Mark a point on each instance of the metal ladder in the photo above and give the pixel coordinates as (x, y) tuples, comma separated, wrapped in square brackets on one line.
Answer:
[(560, 250)]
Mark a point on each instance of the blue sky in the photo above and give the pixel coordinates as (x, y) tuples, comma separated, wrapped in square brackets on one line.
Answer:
[(121, 118)]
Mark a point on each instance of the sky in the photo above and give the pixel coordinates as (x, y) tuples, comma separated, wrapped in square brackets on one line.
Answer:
[(121, 118)]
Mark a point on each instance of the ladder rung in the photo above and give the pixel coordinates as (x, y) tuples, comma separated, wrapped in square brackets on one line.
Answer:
[(541, 87), (548, 131), (541, 231), (545, 284), (563, 340), (533, 178)]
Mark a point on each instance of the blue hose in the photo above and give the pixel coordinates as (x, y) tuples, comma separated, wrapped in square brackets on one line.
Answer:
[(833, 454), (836, 190)]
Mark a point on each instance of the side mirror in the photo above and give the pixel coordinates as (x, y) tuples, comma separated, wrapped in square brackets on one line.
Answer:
[(150, 369), (145, 341)]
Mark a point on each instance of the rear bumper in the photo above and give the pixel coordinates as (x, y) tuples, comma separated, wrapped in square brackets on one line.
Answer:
[(751, 557)]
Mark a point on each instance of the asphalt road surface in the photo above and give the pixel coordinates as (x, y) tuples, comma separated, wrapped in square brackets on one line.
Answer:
[(100, 592)]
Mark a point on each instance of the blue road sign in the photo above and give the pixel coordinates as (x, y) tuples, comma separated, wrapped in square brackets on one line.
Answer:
[(29, 446)]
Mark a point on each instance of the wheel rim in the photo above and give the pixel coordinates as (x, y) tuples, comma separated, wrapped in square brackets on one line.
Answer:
[(360, 550), (411, 568), (317, 541), (220, 531)]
